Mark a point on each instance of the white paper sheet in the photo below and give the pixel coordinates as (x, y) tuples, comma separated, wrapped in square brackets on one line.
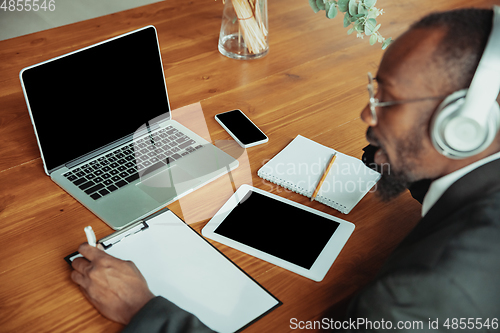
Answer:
[(181, 266)]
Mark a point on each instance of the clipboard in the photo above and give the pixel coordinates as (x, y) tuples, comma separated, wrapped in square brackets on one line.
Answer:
[(180, 265)]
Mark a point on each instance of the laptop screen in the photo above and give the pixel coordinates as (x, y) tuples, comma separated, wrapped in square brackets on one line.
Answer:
[(92, 97)]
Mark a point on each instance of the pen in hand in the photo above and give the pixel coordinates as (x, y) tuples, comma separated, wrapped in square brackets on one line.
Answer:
[(91, 239), (315, 193)]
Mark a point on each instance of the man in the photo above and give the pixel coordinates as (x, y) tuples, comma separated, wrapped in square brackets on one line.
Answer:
[(447, 268)]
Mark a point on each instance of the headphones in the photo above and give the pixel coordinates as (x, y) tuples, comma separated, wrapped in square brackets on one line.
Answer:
[(468, 120)]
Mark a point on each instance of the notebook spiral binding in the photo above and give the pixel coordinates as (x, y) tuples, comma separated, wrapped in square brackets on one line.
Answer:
[(300, 190)]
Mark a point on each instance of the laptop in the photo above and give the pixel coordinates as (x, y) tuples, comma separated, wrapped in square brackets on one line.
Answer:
[(101, 116)]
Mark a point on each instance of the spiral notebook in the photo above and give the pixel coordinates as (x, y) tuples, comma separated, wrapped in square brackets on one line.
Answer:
[(300, 165)]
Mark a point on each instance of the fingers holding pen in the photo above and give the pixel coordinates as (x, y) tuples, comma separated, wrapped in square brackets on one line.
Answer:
[(83, 266)]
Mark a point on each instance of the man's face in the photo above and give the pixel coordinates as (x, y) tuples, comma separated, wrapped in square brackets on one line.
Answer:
[(405, 152)]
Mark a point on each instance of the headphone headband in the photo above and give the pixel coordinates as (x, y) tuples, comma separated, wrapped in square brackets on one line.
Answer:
[(485, 85), (468, 120)]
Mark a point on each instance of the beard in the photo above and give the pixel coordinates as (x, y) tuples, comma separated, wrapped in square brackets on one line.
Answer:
[(391, 185), (395, 181)]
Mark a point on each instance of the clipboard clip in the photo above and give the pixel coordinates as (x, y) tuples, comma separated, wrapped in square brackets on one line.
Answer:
[(116, 237)]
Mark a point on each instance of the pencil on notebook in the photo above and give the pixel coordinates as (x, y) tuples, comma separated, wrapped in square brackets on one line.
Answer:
[(315, 193)]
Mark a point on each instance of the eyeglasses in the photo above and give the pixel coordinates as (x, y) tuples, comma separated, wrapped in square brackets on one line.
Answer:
[(374, 102)]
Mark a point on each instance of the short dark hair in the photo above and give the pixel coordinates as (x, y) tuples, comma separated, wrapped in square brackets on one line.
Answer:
[(467, 32)]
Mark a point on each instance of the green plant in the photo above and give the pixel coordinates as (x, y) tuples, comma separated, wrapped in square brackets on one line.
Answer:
[(359, 14)]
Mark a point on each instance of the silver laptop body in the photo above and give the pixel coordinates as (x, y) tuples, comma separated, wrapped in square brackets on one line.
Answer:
[(102, 120)]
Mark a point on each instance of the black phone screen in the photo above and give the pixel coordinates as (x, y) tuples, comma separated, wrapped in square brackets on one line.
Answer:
[(241, 127)]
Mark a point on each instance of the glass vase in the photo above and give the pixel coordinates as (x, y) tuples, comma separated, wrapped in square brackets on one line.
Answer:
[(244, 29)]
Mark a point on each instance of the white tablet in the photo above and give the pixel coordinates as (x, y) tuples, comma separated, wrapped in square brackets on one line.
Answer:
[(282, 232)]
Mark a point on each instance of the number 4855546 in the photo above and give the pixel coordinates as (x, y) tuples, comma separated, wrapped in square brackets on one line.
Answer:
[(470, 323), (28, 5)]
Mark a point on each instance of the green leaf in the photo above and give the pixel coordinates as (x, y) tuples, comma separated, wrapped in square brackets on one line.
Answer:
[(359, 26), (350, 31), (313, 5), (362, 9), (377, 27), (370, 3), (332, 12), (343, 5), (320, 4), (386, 43), (370, 26), (347, 20), (373, 39), (353, 7)]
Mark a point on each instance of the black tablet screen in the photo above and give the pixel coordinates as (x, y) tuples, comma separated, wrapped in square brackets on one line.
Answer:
[(278, 229)]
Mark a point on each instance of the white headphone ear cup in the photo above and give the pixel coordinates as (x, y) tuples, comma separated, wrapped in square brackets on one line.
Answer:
[(459, 137), (494, 120), (450, 105)]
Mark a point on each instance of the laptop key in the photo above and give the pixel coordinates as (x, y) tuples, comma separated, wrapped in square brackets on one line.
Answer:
[(121, 183), (95, 196), (79, 181), (111, 188), (176, 156), (94, 188), (185, 144), (104, 191), (86, 185), (153, 167), (132, 177), (181, 139)]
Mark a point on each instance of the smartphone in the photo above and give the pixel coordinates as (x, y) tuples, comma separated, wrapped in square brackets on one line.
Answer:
[(241, 128)]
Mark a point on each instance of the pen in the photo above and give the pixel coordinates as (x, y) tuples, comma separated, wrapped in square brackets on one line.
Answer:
[(90, 236), (334, 156)]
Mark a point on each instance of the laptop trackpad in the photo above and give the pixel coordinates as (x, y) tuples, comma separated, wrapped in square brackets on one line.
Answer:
[(168, 184)]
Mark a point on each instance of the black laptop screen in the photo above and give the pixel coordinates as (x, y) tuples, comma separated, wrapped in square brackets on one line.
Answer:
[(95, 96)]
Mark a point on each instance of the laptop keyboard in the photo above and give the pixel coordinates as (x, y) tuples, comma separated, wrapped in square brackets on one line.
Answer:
[(124, 165)]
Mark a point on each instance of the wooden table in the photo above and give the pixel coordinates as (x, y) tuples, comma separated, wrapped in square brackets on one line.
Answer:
[(312, 82)]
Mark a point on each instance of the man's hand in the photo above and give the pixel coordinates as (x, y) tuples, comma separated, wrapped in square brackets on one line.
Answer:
[(116, 288)]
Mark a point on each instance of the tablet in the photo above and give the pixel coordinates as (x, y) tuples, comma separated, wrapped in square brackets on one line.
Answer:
[(282, 232)]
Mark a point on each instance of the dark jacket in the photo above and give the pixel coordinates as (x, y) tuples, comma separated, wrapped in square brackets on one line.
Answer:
[(447, 268)]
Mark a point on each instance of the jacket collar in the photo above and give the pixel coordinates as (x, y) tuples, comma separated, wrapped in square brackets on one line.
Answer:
[(474, 185)]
